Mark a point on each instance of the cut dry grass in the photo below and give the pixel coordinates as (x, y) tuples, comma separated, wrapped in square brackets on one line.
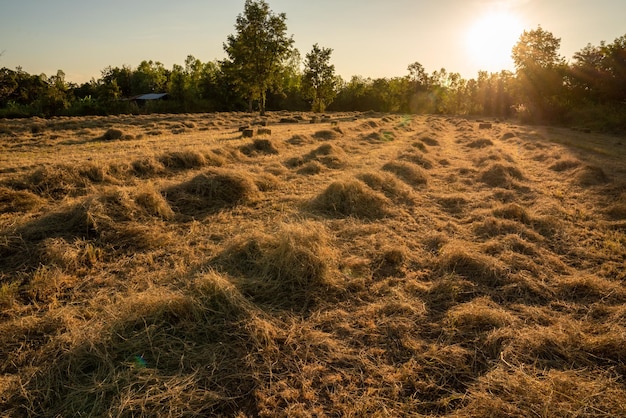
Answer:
[(19, 201), (59, 181), (286, 268), (501, 175), (213, 190), (410, 173), (352, 198), (460, 258), (590, 176), (198, 275), (259, 146), (389, 185)]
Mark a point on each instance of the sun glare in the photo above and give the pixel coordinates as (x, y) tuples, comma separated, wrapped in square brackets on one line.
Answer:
[(490, 39)]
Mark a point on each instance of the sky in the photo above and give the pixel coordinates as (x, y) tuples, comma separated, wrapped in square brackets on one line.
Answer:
[(369, 38)]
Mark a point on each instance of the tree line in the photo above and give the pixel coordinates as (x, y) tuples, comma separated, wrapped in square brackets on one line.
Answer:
[(263, 70)]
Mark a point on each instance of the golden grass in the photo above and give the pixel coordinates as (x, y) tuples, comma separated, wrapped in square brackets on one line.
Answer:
[(352, 198), (362, 265)]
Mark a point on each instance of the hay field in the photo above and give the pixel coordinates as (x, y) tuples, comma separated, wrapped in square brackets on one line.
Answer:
[(362, 265)]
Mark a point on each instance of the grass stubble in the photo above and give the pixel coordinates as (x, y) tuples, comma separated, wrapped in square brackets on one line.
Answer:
[(367, 265)]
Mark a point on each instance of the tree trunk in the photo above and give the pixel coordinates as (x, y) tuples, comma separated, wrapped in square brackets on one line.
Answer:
[(262, 104), (250, 105)]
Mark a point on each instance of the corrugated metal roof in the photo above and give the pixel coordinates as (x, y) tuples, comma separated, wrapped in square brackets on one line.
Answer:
[(150, 96)]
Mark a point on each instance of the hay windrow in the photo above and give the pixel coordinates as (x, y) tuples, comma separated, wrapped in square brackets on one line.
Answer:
[(183, 159), (261, 147), (140, 343), (59, 181), (416, 157), (352, 198), (468, 262), (329, 155), (285, 268), (174, 275), (212, 190), (501, 175), (564, 165), (19, 201), (590, 176), (389, 185), (410, 173)]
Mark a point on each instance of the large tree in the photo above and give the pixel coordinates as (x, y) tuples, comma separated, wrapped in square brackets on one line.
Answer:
[(257, 51), (540, 74), (319, 81)]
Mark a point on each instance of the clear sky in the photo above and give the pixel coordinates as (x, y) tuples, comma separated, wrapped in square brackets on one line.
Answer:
[(371, 38)]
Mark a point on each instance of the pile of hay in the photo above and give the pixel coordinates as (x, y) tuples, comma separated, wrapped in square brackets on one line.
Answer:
[(285, 268), (501, 175), (352, 198), (211, 191), (410, 173)]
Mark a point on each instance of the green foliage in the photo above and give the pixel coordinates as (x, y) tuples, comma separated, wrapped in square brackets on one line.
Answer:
[(262, 66), (257, 52), (319, 81), (149, 77), (540, 73)]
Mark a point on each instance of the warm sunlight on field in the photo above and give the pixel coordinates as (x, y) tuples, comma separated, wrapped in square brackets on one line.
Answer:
[(490, 39), (355, 264)]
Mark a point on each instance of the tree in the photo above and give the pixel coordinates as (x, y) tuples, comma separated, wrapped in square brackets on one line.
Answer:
[(257, 51), (149, 77), (540, 74), (418, 98), (319, 81)]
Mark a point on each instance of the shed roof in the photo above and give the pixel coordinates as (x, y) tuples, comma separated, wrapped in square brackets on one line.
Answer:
[(149, 96)]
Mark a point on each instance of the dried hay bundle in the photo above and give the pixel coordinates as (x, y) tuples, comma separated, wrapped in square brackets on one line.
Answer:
[(112, 134), (514, 212), (183, 159), (310, 168), (327, 134), (564, 165), (148, 167), (329, 155), (390, 262), (389, 185), (259, 146), (212, 190), (156, 353), (500, 175), (416, 157), (460, 258), (285, 268), (352, 198), (113, 217), (590, 176), (12, 201), (410, 173), (478, 316), (63, 180)]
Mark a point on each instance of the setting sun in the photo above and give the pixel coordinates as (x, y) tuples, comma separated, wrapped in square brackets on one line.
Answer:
[(490, 39)]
